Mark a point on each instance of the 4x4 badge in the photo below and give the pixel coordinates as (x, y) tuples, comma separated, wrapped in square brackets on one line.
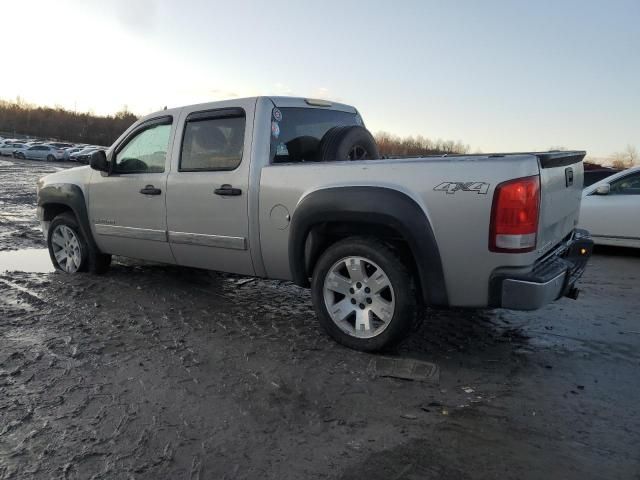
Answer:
[(480, 188)]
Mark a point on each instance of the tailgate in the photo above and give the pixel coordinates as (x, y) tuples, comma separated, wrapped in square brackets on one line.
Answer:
[(561, 178)]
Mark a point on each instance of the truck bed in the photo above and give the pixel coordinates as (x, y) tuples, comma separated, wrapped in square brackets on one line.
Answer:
[(454, 191)]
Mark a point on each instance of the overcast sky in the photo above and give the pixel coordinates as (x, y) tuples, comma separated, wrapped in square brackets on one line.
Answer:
[(498, 75)]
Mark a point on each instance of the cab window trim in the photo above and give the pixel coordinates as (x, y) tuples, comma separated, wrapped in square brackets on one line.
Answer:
[(216, 114)]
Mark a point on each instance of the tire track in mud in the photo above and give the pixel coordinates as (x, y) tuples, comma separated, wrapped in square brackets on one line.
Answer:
[(108, 342), (64, 349)]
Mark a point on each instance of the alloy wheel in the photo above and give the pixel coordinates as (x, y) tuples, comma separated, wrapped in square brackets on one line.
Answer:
[(66, 249), (359, 297)]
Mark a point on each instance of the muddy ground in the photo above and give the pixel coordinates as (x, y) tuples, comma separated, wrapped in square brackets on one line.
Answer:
[(157, 372)]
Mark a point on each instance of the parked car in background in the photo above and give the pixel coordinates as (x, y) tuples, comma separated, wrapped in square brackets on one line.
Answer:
[(18, 150), (611, 209), (83, 155), (8, 148), (43, 152), (70, 151), (593, 176), (61, 145)]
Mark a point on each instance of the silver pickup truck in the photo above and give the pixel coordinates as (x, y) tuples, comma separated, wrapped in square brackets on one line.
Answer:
[(294, 189)]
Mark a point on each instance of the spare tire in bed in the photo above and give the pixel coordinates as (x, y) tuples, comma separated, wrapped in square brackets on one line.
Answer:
[(348, 143)]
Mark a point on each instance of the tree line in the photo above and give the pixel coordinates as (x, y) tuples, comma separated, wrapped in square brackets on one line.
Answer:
[(391, 145), (19, 118)]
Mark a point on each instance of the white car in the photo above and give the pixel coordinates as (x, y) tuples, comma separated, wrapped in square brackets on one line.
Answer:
[(8, 148), (611, 209), (19, 149), (42, 152)]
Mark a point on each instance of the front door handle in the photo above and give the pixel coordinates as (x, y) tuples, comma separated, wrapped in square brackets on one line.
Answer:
[(228, 190), (150, 190)]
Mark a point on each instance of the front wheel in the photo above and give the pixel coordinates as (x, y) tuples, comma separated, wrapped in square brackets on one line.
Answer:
[(69, 250), (363, 294)]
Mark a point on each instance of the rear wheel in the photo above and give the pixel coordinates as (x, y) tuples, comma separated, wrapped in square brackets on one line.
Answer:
[(51, 158), (69, 250), (363, 294)]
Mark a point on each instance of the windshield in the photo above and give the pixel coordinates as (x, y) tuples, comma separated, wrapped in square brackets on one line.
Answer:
[(296, 133)]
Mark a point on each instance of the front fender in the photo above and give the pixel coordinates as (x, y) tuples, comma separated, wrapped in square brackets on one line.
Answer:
[(71, 196)]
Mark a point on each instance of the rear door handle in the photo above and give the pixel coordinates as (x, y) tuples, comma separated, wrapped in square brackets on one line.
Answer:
[(228, 190), (150, 190)]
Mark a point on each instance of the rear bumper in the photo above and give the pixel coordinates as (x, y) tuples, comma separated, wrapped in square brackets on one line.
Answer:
[(552, 277)]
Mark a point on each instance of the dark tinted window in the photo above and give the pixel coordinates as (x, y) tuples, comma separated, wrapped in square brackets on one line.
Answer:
[(629, 185), (145, 152), (213, 143), (296, 133)]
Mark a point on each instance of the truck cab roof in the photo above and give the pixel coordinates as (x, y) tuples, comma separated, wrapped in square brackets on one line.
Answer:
[(278, 101)]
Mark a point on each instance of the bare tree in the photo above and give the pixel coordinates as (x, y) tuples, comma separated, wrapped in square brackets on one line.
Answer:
[(626, 159), (632, 155)]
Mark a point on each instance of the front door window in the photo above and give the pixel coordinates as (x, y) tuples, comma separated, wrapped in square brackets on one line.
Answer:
[(146, 152)]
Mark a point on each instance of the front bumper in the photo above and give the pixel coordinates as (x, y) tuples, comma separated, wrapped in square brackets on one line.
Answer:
[(552, 277)]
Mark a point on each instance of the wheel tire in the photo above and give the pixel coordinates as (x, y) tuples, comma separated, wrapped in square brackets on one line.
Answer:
[(51, 158), (402, 288), (348, 143), (91, 260)]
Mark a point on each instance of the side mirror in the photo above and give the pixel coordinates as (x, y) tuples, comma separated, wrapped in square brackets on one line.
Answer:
[(99, 161), (603, 190)]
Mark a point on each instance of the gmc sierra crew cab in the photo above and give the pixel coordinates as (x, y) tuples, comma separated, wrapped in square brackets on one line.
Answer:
[(295, 189)]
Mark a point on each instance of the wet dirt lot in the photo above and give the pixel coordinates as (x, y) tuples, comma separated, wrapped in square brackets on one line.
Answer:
[(154, 372)]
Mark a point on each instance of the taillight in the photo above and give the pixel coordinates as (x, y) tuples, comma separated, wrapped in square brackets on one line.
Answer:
[(514, 215)]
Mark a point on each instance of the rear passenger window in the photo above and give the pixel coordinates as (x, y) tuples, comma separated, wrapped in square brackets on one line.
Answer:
[(213, 141)]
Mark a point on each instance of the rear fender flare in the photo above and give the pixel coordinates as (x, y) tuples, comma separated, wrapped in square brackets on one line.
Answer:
[(374, 206)]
